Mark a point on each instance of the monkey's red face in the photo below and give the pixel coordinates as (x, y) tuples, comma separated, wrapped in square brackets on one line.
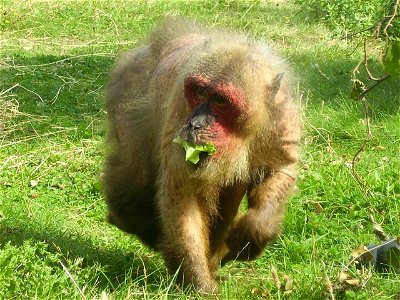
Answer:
[(216, 110)]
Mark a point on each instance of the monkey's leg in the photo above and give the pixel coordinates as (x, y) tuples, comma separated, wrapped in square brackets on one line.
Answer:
[(131, 205), (230, 198), (185, 245), (263, 220)]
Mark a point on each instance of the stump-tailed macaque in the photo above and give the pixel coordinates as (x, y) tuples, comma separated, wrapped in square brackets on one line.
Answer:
[(201, 86)]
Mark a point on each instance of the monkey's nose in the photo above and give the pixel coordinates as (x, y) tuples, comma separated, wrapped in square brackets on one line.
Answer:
[(196, 123), (200, 121)]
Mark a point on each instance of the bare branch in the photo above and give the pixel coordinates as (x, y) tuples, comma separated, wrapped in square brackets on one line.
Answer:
[(365, 63), (392, 17), (373, 85)]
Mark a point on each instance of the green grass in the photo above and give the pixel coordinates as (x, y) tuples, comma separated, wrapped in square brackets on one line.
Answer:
[(54, 241)]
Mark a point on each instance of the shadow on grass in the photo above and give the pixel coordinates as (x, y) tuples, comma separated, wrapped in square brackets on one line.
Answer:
[(329, 81), (112, 268), (70, 90), (67, 91)]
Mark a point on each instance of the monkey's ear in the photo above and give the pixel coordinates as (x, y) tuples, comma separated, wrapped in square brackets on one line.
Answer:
[(276, 84)]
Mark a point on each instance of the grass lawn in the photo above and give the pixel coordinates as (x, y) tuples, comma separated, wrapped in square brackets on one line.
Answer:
[(54, 240)]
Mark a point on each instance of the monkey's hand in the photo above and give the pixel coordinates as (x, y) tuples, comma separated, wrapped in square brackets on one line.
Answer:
[(248, 237), (262, 222)]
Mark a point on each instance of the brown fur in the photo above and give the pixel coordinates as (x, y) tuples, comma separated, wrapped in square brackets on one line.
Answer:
[(185, 211)]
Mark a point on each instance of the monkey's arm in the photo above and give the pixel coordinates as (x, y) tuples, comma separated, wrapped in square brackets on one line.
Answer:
[(248, 237)]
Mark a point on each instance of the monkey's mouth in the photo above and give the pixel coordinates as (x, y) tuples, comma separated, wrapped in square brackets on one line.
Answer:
[(195, 152)]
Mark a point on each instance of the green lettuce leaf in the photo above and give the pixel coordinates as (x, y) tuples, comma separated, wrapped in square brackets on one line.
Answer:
[(193, 151)]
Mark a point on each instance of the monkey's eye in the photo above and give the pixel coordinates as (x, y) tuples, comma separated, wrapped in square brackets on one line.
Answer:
[(201, 91), (219, 100)]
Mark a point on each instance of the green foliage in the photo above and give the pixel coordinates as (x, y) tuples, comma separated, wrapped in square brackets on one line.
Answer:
[(391, 58), (351, 16), (192, 151), (377, 20), (34, 265)]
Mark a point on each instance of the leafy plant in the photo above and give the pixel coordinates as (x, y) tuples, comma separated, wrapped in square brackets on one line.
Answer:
[(391, 58), (350, 16), (192, 151)]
